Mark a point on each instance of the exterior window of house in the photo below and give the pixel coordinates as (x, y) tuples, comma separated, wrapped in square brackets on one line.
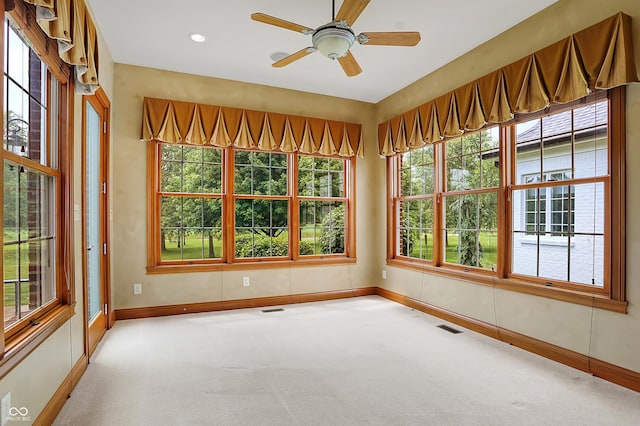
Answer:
[(33, 261), (556, 200), (225, 206), (529, 203)]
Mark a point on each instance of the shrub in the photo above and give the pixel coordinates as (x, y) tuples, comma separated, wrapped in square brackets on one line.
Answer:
[(332, 239)]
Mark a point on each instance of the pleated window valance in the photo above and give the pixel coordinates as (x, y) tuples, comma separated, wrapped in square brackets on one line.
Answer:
[(197, 124), (68, 22), (598, 57)]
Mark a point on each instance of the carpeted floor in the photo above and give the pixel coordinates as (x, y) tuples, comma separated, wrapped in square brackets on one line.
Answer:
[(347, 362)]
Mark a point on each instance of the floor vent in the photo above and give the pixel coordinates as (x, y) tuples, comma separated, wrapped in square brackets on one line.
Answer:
[(449, 329), (268, 311)]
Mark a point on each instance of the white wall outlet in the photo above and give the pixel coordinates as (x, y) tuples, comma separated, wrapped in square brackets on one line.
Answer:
[(384, 274), (137, 288), (245, 281), (5, 406)]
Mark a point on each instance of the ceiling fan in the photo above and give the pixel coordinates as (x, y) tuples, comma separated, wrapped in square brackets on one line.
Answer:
[(335, 38)]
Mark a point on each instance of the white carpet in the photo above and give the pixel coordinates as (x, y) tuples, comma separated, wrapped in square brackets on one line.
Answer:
[(354, 361)]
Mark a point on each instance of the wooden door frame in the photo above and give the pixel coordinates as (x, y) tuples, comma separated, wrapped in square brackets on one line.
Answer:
[(100, 102)]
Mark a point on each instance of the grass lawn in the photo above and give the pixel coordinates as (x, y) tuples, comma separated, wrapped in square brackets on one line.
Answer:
[(489, 249), (10, 265), (192, 249)]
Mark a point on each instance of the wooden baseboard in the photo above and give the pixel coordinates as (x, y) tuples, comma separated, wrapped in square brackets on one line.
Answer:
[(191, 308), (613, 373), (53, 407), (112, 318)]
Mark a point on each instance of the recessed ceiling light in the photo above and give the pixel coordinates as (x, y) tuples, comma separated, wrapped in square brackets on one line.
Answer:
[(198, 38)]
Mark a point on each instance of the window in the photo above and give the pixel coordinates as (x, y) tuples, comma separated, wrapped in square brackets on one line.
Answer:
[(528, 204), (470, 200), (261, 204), (556, 200), (562, 164), (415, 204), (323, 201), (234, 206), (190, 203), (35, 155)]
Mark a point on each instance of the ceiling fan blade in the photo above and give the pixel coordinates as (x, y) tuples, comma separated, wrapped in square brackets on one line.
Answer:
[(271, 20), (350, 65), (407, 38), (293, 57), (350, 10)]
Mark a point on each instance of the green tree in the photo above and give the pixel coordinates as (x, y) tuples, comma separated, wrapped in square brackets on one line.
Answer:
[(196, 170), (258, 173), (471, 164)]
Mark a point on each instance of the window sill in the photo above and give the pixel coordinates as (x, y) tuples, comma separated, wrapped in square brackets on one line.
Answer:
[(267, 264), (19, 347), (596, 300)]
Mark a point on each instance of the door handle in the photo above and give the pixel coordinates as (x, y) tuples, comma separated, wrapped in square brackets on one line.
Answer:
[(89, 248)]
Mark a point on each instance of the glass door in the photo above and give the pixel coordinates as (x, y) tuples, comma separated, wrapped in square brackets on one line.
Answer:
[(95, 219)]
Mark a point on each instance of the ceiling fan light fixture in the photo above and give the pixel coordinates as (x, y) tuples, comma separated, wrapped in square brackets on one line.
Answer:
[(333, 42), (198, 38)]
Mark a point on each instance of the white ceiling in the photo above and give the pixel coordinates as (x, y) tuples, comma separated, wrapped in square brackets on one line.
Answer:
[(154, 33)]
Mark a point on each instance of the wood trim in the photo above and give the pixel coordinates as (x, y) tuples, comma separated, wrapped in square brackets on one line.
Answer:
[(610, 372), (78, 370), (223, 305), (350, 191), (6, 5), (57, 401), (327, 260), (618, 190), (464, 321), (20, 348), (621, 376), (151, 204)]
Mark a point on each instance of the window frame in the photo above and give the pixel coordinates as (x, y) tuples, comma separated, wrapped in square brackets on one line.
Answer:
[(611, 296), (19, 339), (228, 261)]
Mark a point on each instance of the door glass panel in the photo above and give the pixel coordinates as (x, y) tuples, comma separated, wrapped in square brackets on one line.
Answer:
[(94, 248)]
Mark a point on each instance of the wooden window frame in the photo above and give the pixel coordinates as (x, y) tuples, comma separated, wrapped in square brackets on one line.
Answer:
[(22, 337), (228, 261), (611, 297)]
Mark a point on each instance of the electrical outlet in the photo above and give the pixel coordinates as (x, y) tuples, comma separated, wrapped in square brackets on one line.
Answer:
[(137, 288), (384, 274), (5, 406), (245, 281)]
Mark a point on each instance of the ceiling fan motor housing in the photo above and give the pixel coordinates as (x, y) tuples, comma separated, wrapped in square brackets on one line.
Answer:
[(333, 41)]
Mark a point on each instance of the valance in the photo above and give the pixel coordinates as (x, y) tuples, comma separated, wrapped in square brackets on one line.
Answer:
[(598, 57), (68, 22), (198, 124)]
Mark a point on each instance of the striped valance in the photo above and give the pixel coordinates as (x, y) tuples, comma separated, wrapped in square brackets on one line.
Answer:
[(68, 22), (599, 57), (197, 124)]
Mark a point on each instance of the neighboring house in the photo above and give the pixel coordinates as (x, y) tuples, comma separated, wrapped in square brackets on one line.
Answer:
[(567, 244)]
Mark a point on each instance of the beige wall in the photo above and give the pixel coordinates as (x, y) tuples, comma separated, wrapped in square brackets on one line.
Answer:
[(602, 334), (33, 382), (129, 248)]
